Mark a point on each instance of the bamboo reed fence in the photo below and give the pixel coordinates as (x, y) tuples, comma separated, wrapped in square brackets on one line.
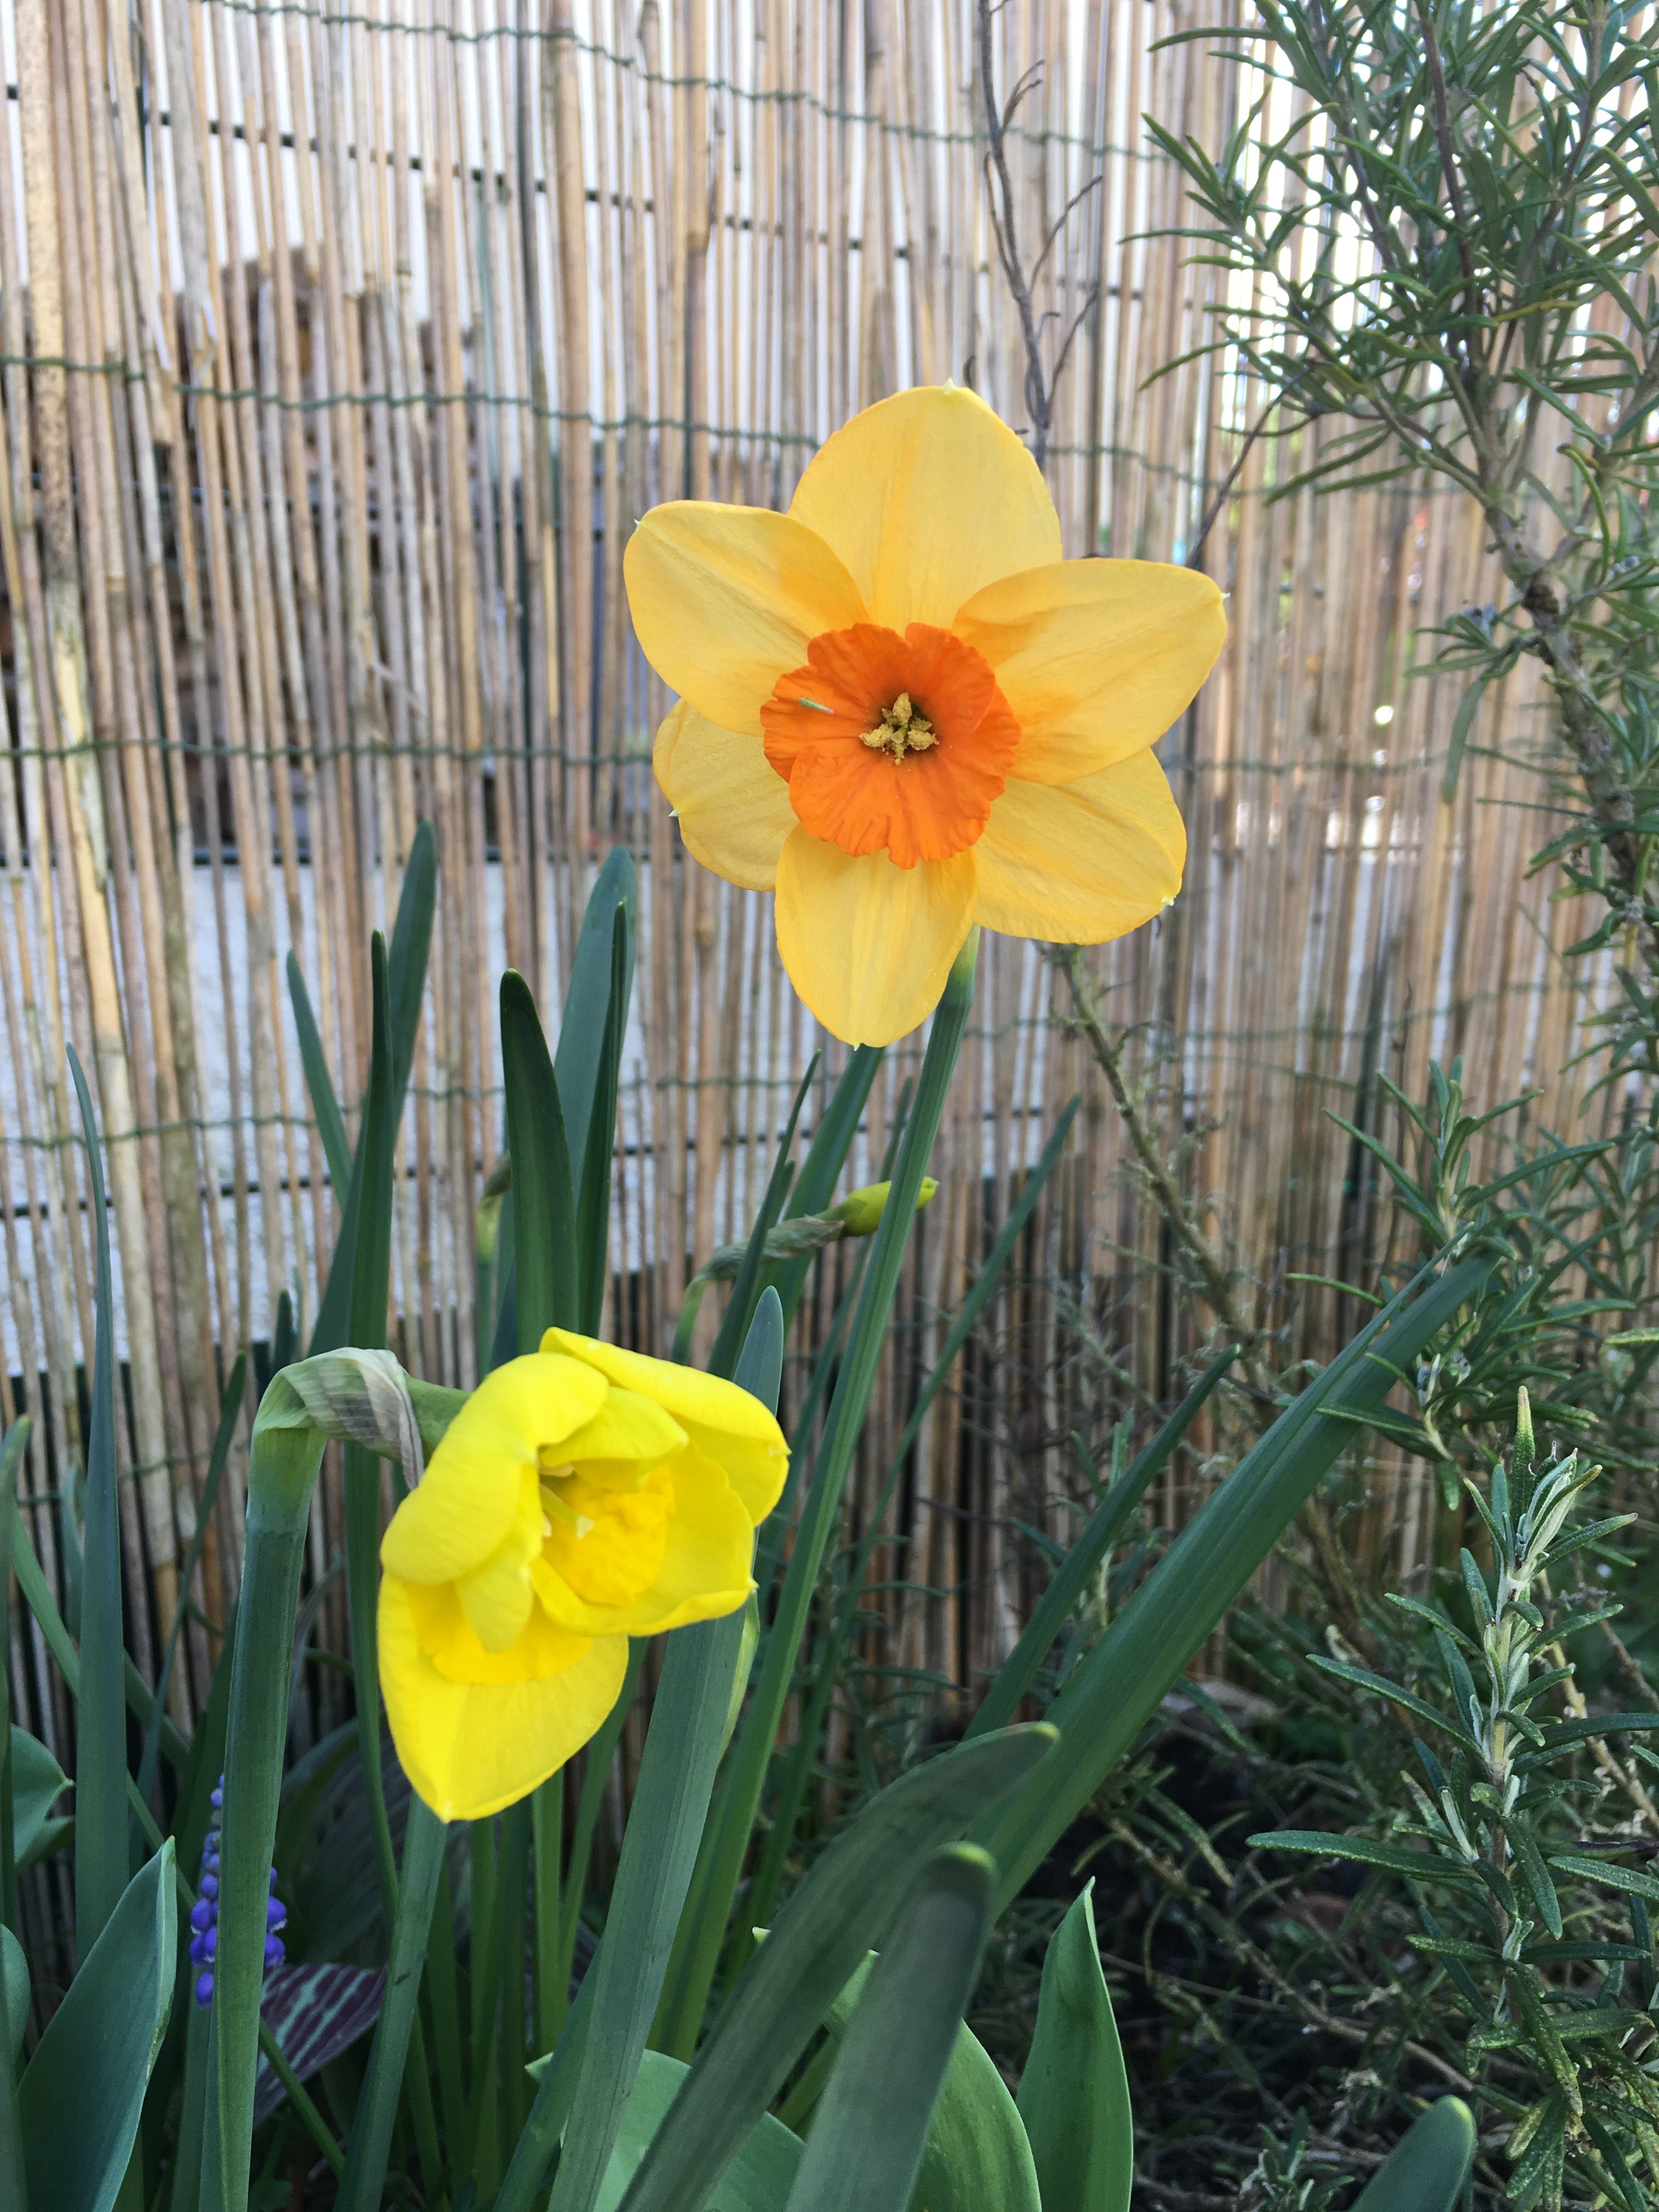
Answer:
[(341, 343)]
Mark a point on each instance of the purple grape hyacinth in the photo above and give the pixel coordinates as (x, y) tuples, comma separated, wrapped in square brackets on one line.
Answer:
[(205, 1913)]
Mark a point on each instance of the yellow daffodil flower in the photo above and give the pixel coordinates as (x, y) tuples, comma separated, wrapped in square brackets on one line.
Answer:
[(903, 712), (582, 1495)]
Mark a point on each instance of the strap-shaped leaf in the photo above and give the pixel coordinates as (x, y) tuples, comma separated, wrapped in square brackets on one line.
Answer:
[(872, 2124), (597, 1157), (821, 1169), (37, 1783), (12, 1448), (1114, 1692), (15, 1989), (319, 1084), (230, 1414), (1426, 2169), (977, 2152), (407, 956), (1074, 2094), (759, 2178), (843, 1910), (615, 897), (727, 1842), (314, 2013), (83, 2090), (1105, 1525), (101, 1749), (543, 1201), (398, 981)]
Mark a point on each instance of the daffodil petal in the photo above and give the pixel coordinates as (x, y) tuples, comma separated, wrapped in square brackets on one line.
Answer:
[(733, 807), (629, 1435), (928, 497), (725, 599), (869, 945), (471, 1747), (706, 1570), (495, 1596), (721, 1419), (1079, 863), (1096, 659), (456, 1516)]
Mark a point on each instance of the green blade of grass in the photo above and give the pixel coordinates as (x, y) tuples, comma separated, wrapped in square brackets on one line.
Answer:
[(100, 1749), (1116, 1690)]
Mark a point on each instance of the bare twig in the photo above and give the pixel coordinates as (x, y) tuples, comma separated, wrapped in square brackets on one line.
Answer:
[(1201, 1256), (1234, 1940), (1232, 474), (1213, 1280), (1041, 383)]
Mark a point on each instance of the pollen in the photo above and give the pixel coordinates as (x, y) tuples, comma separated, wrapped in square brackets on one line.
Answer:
[(903, 728)]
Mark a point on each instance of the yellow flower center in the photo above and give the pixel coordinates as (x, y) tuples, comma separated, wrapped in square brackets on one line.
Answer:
[(903, 728), (607, 1543)]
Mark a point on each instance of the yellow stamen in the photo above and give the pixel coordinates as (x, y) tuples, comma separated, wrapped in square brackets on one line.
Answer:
[(903, 728)]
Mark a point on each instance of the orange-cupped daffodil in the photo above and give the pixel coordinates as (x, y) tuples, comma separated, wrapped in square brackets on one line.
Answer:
[(903, 712), (582, 1495)]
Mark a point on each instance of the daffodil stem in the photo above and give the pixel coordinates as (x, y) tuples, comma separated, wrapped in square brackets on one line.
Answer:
[(701, 1945), (692, 1307), (371, 2135), (600, 1753), (659, 1846), (591, 2073), (444, 1999), (547, 1851), (282, 1471), (510, 1935), (483, 1844), (286, 1453)]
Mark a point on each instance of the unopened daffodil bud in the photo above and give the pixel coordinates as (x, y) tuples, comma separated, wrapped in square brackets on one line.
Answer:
[(859, 1212)]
